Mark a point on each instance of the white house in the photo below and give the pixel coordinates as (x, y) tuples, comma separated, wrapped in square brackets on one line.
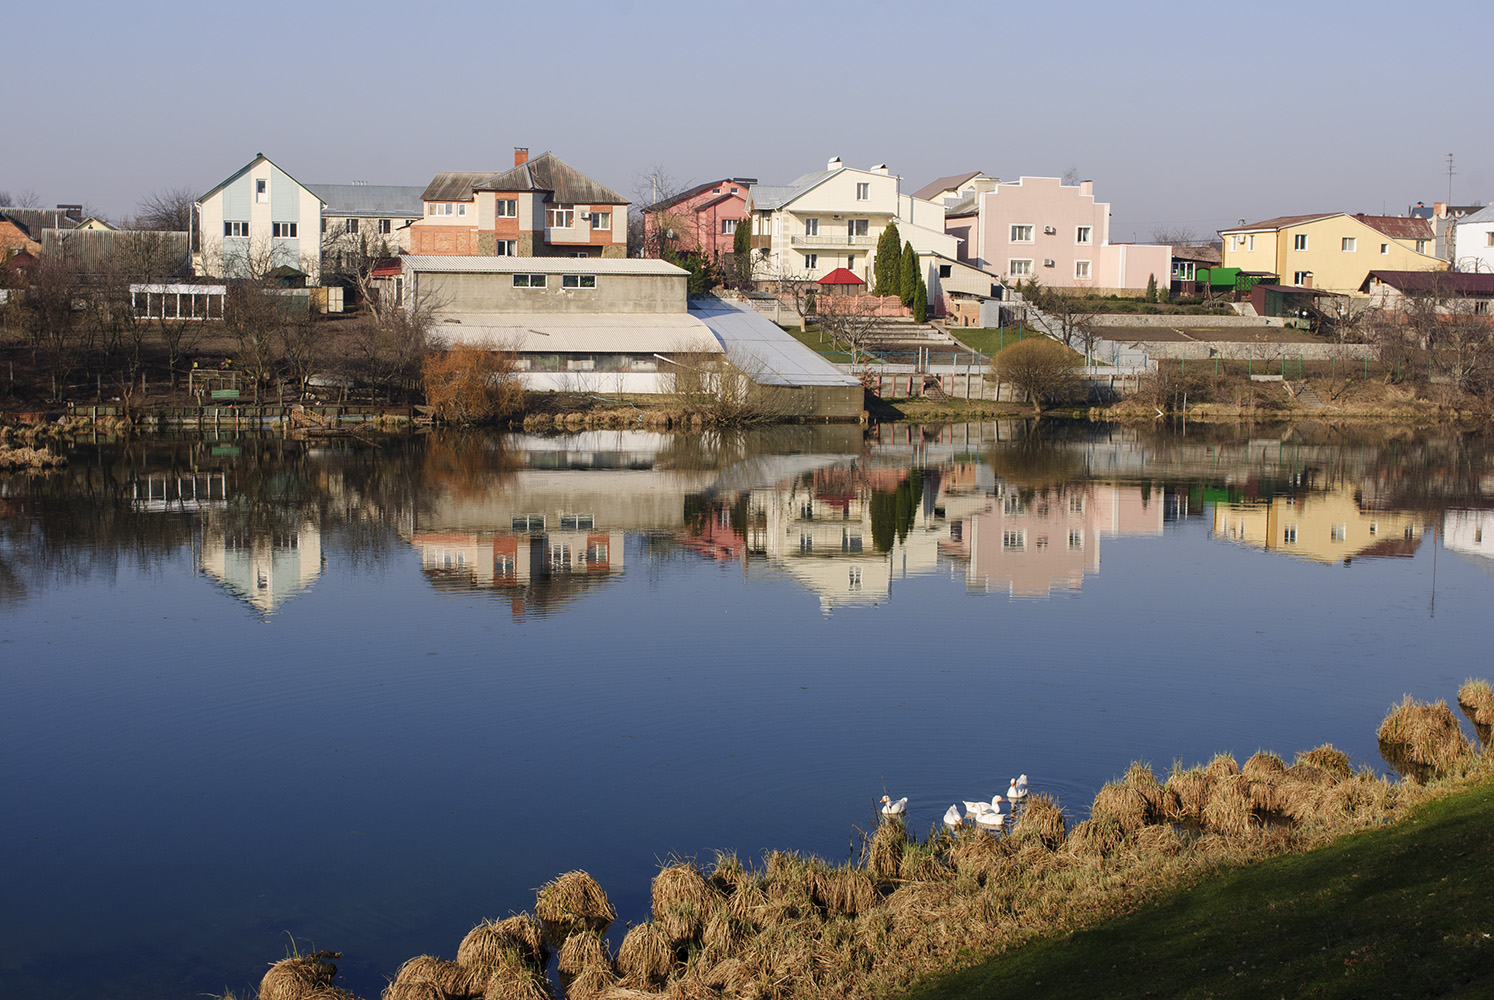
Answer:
[(259, 221), (1473, 242)]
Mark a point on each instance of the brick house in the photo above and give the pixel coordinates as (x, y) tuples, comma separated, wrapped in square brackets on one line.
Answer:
[(703, 218), (541, 208)]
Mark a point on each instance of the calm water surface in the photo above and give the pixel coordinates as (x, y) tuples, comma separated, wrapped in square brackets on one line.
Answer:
[(365, 695)]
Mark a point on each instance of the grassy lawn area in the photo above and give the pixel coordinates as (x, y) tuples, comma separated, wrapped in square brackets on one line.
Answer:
[(987, 340), (826, 347), (1403, 910)]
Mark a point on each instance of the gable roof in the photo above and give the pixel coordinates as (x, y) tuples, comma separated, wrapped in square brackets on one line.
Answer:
[(950, 183), (1205, 254), (548, 172), (1280, 222), (770, 197), (245, 169), (743, 183), (32, 221), (1398, 227), (1449, 282), (453, 185), (371, 199), (1485, 214)]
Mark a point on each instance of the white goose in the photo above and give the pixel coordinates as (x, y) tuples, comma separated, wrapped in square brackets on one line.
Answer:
[(1022, 785), (952, 817), (891, 808), (1014, 792), (994, 820), (977, 808)]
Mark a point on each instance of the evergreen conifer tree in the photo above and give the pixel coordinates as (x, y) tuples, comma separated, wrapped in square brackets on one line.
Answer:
[(886, 266), (907, 274), (921, 302), (741, 247), (1151, 288)]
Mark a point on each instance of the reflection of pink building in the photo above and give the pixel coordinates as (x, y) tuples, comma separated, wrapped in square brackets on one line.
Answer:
[(1029, 543), (704, 217), (1039, 227)]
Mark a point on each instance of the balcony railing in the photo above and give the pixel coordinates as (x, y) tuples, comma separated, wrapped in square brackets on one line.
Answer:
[(832, 240)]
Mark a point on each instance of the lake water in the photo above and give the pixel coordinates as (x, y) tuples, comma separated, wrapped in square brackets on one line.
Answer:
[(366, 694)]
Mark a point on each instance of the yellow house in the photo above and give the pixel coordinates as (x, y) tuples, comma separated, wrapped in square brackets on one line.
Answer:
[(1333, 252), (1325, 527)]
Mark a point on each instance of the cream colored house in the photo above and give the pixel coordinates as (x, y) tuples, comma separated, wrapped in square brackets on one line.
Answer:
[(834, 217), (258, 221), (1332, 252), (1328, 527)]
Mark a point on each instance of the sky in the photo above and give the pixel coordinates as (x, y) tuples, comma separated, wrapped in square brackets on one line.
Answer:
[(1185, 116)]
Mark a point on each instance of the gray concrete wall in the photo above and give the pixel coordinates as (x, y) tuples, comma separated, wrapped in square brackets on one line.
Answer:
[(1173, 350), (614, 293), (1225, 322)]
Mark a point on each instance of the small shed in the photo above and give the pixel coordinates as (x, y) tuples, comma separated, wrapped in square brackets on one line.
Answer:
[(842, 281)]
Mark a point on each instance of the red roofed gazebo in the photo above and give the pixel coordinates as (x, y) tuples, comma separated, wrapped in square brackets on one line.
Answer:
[(842, 281)]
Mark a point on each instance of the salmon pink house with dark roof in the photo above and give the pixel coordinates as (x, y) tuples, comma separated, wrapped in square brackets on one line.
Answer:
[(703, 218), (542, 207)]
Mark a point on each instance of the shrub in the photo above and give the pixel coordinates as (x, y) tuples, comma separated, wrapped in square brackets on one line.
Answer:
[(472, 383), (1041, 368)]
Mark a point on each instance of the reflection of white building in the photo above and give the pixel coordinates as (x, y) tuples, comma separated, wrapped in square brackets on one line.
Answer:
[(263, 569), (1470, 533)]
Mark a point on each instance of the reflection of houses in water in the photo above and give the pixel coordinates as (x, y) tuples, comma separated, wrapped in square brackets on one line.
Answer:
[(185, 491), (262, 564), (1027, 543), (1326, 527), (1470, 533), (519, 559)]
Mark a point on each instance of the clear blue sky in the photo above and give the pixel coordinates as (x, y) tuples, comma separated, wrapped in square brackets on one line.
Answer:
[(1183, 114)]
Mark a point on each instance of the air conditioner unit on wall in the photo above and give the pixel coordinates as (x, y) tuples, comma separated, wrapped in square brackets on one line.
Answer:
[(1048, 262), (1049, 230)]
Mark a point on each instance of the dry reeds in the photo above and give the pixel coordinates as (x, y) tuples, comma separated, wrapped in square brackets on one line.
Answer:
[(645, 956), (884, 859), (1328, 759), (1427, 738), (572, 902), (1041, 822), (1476, 699), (456, 982), (844, 891), (1228, 809), (683, 900), (1222, 766), (413, 991), (1187, 794), (1263, 766), (1122, 806), (485, 944), (1139, 778), (1157, 840), (581, 950), (297, 978), (589, 983), (1095, 837), (511, 978)]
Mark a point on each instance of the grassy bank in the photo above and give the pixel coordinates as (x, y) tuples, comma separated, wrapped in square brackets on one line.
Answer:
[(1403, 910)]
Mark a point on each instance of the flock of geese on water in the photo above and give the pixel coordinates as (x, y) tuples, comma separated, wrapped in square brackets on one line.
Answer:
[(987, 815)]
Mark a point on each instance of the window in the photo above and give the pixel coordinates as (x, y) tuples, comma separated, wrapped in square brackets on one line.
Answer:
[(580, 364), (505, 248), (1350, 244), (577, 522), (1076, 538), (262, 191), (235, 229), (529, 281), (733, 190), (529, 522), (1081, 269), (324, 225), (1303, 278), (447, 208), (811, 227), (1299, 242), (1076, 504), (1289, 535), (1338, 532), (561, 217), (283, 230), (850, 262), (508, 208), (601, 220), (945, 270), (1421, 246), (1234, 243), (433, 209), (1084, 235), (728, 227), (578, 281), (384, 227), (1019, 267), (1489, 238), (1250, 242), (1014, 541), (462, 209), (351, 225), (579, 253), (863, 191), (858, 227), (1385, 248), (1021, 234), (811, 261)]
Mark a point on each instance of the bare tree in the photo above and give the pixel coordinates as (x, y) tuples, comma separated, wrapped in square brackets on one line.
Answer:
[(849, 319), (20, 199), (1068, 315), (1456, 340), (1177, 235), (655, 224), (168, 209)]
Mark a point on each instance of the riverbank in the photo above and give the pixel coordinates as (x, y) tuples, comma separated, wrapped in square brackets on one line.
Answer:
[(1180, 856)]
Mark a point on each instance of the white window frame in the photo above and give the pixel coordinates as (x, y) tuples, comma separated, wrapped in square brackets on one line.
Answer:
[(506, 208), (1421, 246), (1299, 241), (529, 281), (261, 190), (853, 225), (235, 230), (812, 227), (1250, 243), (578, 281), (1019, 267), (462, 208), (386, 226), (863, 191), (1084, 235), (284, 230), (1298, 278), (1082, 271), (729, 227), (1021, 232), (1385, 248), (505, 248), (350, 226), (560, 217), (600, 221), (1349, 244), (811, 262), (447, 210)]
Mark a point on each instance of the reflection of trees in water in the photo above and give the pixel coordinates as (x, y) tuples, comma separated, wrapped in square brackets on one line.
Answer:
[(892, 511), (465, 464)]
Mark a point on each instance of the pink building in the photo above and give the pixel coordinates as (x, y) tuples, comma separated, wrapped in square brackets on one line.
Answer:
[(1040, 227), (704, 217)]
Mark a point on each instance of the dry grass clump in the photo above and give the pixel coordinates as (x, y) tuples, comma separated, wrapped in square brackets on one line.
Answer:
[(1187, 794), (413, 991), (1326, 758), (511, 978), (1222, 766), (683, 899), (581, 950), (645, 956), (1476, 698), (297, 978), (980, 858), (486, 943), (1122, 806), (725, 934), (1095, 837), (1041, 822), (1263, 766), (570, 903), (590, 982), (1139, 778), (884, 858), (1228, 808), (1425, 737), (456, 982), (30, 458), (1160, 841)]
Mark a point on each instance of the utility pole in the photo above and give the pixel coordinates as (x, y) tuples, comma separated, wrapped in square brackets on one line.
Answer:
[(1449, 179)]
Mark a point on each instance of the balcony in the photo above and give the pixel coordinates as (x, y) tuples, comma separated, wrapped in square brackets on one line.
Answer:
[(831, 241)]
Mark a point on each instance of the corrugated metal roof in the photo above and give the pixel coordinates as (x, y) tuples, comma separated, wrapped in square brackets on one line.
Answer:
[(141, 253), (950, 183), (34, 220), (1444, 282), (439, 264), (597, 333), (548, 172), (1398, 227), (771, 197), (1485, 214), (387, 200), (764, 350), (1280, 222)]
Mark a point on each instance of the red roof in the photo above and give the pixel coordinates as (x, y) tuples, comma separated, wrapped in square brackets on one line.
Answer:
[(1398, 227), (841, 276)]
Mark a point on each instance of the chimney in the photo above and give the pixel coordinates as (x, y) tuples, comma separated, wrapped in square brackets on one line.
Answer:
[(834, 163), (74, 212), (880, 168), (521, 155), (1439, 209)]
